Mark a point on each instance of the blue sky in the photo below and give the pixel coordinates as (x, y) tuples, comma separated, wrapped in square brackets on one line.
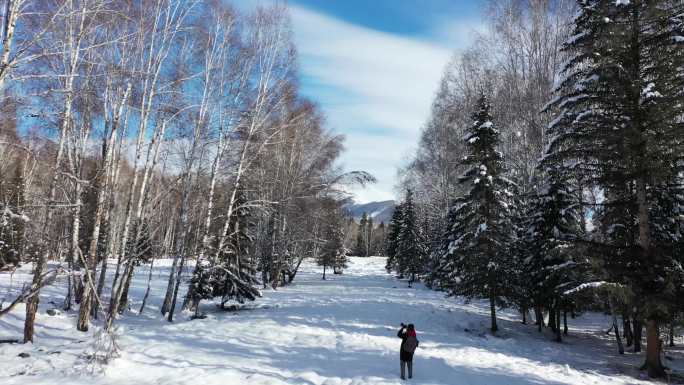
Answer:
[(373, 66)]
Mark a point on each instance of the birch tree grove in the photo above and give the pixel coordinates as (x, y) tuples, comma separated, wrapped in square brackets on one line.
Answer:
[(163, 129)]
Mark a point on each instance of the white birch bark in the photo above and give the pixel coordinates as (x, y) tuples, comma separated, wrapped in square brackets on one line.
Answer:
[(154, 47), (104, 175), (75, 20)]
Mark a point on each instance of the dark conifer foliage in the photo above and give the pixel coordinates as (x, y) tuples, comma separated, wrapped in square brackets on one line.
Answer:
[(331, 252), (233, 274), (394, 228), (619, 127), (362, 236), (12, 221), (410, 243), (553, 263), (475, 256)]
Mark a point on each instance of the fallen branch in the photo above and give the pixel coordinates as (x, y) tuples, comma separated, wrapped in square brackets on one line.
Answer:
[(29, 291)]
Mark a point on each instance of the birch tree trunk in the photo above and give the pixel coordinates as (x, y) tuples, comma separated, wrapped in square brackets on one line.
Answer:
[(168, 18), (72, 52), (9, 23), (103, 175)]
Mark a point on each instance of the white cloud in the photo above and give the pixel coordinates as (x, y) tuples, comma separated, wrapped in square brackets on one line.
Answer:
[(375, 87), (388, 82), (459, 33), (379, 155), (390, 79)]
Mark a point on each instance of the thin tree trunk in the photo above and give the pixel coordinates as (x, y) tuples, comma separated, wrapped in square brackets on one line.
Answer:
[(143, 198), (176, 288), (103, 185), (627, 331), (638, 329), (653, 364), (292, 275), (181, 239), (492, 309), (621, 348), (110, 248), (100, 286), (166, 305), (10, 15), (165, 26), (539, 315), (126, 284), (75, 248), (41, 263), (67, 299), (149, 285)]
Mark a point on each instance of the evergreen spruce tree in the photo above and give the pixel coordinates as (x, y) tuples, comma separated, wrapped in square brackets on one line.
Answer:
[(379, 240), (368, 237), (326, 256), (143, 251), (392, 238), (553, 265), (475, 256), (361, 236), (87, 212), (12, 226), (234, 275), (410, 249), (333, 254), (202, 285), (619, 127), (521, 286), (335, 245)]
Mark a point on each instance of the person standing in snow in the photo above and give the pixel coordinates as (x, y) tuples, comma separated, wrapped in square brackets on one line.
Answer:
[(409, 343)]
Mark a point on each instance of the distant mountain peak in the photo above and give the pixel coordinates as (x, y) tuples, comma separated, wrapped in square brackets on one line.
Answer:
[(380, 211)]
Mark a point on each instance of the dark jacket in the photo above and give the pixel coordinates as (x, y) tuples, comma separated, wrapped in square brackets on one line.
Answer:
[(403, 354)]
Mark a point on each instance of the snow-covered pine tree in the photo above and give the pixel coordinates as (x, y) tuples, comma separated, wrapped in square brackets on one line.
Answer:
[(336, 244), (667, 229), (619, 125), (325, 257), (391, 241), (475, 258), (11, 219), (521, 286), (234, 276), (202, 285), (369, 237), (410, 250), (379, 240), (332, 253), (144, 249), (553, 265), (87, 212), (361, 236)]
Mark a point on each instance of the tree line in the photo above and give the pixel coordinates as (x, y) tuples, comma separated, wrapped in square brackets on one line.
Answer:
[(370, 238), (168, 128), (549, 175)]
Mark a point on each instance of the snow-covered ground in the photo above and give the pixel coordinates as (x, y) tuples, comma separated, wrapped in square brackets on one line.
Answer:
[(338, 331)]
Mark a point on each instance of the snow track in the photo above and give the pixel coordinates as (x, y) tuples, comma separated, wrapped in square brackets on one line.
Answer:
[(341, 331)]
